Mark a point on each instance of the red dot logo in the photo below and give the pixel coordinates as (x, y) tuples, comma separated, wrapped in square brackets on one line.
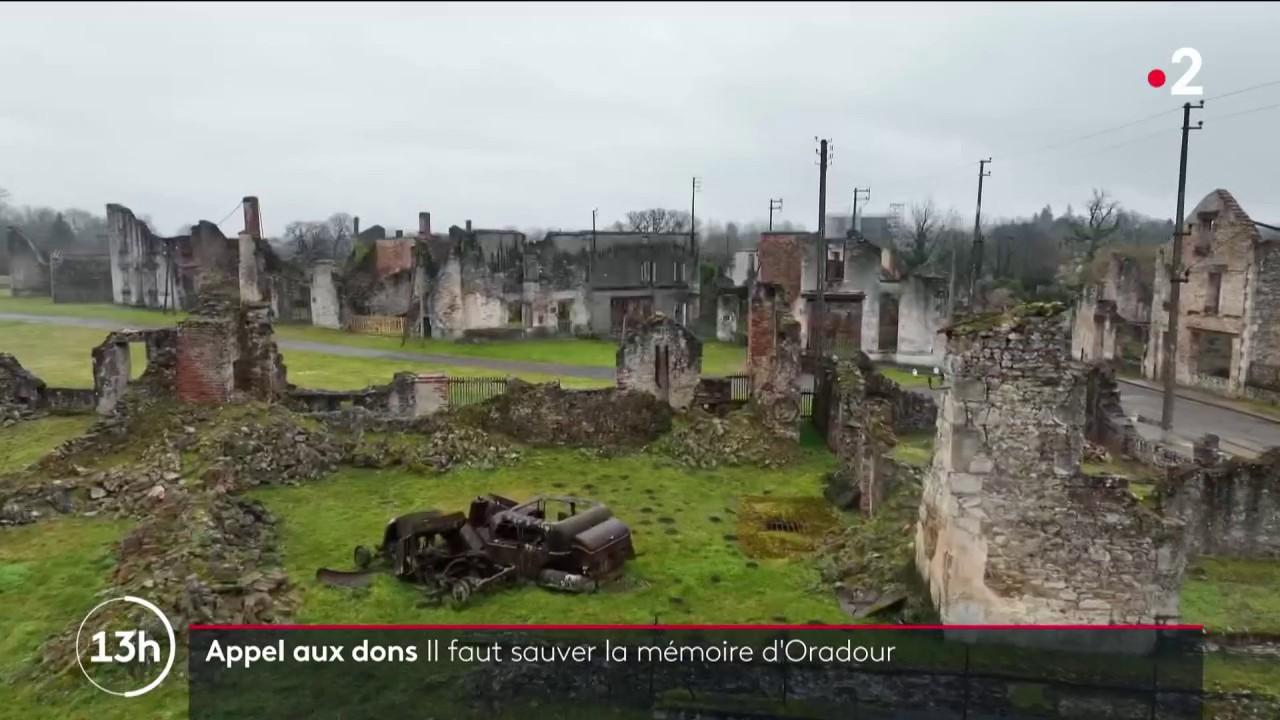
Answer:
[(1155, 78)]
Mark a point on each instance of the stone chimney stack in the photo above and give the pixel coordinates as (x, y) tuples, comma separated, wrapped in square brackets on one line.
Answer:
[(468, 226), (355, 226), (424, 224), (252, 217)]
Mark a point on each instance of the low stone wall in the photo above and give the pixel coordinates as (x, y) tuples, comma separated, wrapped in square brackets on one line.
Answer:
[(407, 395), (1230, 509), (69, 399), (550, 415)]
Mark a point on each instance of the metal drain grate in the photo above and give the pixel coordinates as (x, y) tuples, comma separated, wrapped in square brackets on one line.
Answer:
[(783, 525)]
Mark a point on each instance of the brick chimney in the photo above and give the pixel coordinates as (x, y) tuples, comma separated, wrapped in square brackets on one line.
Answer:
[(252, 217), (424, 224)]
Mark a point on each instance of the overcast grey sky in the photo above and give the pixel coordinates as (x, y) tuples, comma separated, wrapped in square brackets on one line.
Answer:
[(531, 115)]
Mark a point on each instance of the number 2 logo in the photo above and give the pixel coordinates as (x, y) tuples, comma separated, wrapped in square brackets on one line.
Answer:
[(1183, 86)]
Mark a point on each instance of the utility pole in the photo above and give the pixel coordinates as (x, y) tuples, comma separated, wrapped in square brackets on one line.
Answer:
[(1170, 364), (591, 258), (774, 205), (865, 194), (817, 339), (694, 185), (977, 233)]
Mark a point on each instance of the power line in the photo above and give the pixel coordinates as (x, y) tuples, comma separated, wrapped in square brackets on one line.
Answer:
[(233, 212), (1244, 90), (1245, 112)]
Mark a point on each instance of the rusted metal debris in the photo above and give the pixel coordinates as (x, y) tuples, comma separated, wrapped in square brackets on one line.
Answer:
[(454, 556)]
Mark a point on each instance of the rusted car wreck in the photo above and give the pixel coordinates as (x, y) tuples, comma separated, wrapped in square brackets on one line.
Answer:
[(497, 542)]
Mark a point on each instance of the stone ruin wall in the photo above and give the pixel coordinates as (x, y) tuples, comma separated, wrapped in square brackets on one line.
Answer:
[(1010, 530), (1230, 509), (649, 347)]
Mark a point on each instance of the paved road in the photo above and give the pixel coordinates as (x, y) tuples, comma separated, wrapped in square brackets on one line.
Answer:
[(1191, 419), (506, 366)]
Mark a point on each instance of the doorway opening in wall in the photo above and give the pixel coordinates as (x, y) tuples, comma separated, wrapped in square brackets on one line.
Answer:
[(1213, 352), (564, 316), (515, 314), (662, 372), (888, 335), (426, 326), (628, 311)]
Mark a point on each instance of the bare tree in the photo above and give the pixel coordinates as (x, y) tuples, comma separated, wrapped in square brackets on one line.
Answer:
[(658, 220), (921, 236), (1102, 219)]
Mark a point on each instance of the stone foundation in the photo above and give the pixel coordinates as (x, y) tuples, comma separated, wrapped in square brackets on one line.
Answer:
[(1010, 531)]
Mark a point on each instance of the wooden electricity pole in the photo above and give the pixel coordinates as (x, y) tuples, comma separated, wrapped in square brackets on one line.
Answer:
[(1170, 365), (977, 233), (774, 204), (817, 339)]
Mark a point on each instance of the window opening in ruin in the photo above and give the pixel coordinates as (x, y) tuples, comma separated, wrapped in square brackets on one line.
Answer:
[(835, 267), (1213, 353), (677, 271), (646, 271), (1213, 294), (515, 313)]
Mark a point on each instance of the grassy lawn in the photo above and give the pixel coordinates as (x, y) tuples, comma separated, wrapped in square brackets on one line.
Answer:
[(717, 358), (20, 448), (60, 356), (50, 576), (902, 376), (1233, 595), (915, 449), (689, 566)]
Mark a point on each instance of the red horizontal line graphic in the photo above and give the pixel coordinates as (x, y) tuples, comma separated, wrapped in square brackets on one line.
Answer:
[(1108, 628)]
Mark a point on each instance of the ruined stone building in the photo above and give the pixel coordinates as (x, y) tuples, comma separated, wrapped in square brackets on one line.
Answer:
[(1010, 530), (481, 282), (1113, 315), (28, 267), (1229, 314), (151, 271), (871, 305)]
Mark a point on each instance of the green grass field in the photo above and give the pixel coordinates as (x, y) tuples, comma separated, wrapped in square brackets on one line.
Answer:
[(61, 357), (718, 358)]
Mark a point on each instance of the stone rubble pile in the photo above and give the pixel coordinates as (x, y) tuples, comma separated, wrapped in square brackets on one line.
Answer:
[(705, 441), (549, 415)]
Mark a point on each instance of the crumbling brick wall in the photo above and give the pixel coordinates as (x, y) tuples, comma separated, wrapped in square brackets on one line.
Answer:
[(1229, 509), (773, 359), (662, 358), (1010, 530), (207, 350)]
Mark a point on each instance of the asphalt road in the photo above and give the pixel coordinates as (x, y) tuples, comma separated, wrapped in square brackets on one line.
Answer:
[(1192, 419)]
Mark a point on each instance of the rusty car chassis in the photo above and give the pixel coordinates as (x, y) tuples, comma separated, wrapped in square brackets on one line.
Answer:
[(454, 556)]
